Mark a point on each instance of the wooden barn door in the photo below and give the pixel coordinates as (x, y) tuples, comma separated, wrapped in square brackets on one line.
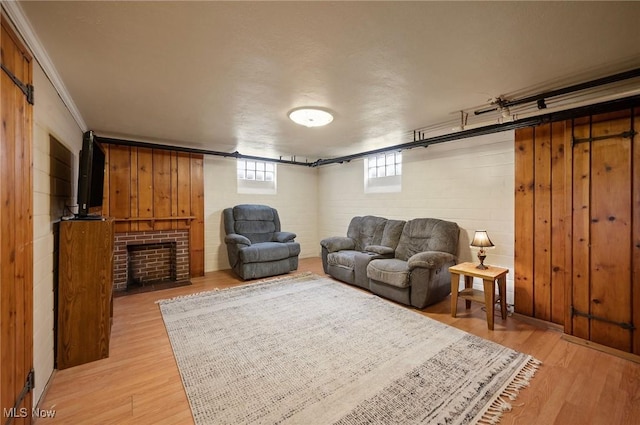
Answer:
[(605, 247), (16, 249)]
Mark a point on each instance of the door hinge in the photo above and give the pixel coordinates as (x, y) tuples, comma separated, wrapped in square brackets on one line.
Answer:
[(624, 325), (27, 89), (29, 385)]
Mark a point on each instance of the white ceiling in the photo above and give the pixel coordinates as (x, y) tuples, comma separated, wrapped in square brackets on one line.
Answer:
[(223, 75)]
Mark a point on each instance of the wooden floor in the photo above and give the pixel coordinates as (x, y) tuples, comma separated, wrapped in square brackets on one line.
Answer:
[(139, 383)]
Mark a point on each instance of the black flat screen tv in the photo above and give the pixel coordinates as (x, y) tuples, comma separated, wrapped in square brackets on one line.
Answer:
[(90, 178)]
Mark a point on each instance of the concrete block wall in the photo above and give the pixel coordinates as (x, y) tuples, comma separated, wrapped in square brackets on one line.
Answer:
[(468, 181), (50, 118), (296, 201)]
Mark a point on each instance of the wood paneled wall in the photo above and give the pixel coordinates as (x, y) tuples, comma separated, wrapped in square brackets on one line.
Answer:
[(540, 217), (577, 227), (16, 228), (153, 189)]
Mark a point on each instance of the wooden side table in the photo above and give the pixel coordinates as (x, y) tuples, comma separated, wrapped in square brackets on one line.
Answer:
[(489, 277)]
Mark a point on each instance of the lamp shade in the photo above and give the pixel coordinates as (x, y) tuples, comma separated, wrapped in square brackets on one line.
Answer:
[(481, 240)]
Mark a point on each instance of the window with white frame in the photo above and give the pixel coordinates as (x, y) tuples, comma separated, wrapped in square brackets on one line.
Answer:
[(383, 172), (254, 176)]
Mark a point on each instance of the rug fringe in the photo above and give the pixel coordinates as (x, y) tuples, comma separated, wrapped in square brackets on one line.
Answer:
[(253, 283), (493, 414)]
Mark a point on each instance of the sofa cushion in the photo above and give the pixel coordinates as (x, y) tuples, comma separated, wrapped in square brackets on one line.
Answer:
[(391, 271), (427, 234), (345, 258), (266, 251), (248, 212), (256, 222), (366, 230), (392, 232), (379, 249), (254, 226), (294, 249), (337, 243)]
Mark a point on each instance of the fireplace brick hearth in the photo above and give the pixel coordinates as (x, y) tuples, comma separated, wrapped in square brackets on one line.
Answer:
[(156, 243)]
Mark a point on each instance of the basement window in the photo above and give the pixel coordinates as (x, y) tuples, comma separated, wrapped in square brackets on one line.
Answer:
[(256, 177), (383, 172)]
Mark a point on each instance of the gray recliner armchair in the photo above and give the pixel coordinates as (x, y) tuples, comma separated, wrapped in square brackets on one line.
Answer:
[(369, 237), (418, 275), (255, 244)]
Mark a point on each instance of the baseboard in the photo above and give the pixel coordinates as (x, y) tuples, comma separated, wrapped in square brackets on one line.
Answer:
[(573, 339), (603, 348), (539, 323)]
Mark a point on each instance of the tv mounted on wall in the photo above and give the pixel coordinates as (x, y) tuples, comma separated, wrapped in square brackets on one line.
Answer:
[(90, 178)]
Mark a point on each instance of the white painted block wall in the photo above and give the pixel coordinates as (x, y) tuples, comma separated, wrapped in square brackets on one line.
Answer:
[(50, 118), (296, 201), (468, 181)]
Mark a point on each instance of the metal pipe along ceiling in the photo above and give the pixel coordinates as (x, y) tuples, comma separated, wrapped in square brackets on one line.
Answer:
[(539, 116)]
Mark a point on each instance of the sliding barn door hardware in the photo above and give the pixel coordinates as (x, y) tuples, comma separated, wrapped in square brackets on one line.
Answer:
[(624, 325), (27, 89), (624, 135), (541, 98), (420, 139)]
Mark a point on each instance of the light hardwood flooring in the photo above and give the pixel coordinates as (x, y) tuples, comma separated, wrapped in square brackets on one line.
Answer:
[(139, 383)]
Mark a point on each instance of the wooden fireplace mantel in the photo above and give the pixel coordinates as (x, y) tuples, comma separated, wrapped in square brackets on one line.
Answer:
[(152, 219)]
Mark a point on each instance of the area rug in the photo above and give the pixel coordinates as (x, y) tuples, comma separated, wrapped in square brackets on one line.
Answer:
[(309, 350)]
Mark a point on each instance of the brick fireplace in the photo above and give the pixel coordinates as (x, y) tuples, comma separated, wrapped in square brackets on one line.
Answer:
[(151, 256)]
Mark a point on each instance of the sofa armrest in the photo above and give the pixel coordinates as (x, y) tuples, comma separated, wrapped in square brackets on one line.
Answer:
[(379, 249), (237, 239), (284, 236), (430, 260), (338, 243)]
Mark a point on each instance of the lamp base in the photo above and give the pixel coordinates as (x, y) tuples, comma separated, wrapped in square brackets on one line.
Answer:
[(481, 257)]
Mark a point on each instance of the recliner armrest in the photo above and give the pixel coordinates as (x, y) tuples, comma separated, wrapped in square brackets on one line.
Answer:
[(237, 239), (430, 260), (284, 236), (379, 249), (338, 243)]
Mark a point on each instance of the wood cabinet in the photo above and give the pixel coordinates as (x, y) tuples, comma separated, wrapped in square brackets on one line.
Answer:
[(84, 291)]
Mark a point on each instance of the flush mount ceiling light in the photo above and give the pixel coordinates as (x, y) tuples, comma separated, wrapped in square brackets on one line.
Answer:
[(310, 117)]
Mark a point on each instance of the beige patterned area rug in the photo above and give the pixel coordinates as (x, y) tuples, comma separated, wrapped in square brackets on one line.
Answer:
[(308, 350)]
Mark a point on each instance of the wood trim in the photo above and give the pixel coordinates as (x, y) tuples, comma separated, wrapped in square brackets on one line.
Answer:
[(586, 343), (543, 324), (635, 244), (190, 217)]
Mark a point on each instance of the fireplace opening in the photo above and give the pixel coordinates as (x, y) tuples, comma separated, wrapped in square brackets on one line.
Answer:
[(150, 260), (149, 264)]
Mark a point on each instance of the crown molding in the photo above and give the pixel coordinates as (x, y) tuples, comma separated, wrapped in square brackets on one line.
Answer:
[(23, 26)]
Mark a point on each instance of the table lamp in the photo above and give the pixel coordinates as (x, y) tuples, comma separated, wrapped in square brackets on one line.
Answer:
[(481, 240)]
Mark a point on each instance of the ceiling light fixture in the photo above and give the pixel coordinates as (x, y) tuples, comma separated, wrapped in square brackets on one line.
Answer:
[(310, 116)]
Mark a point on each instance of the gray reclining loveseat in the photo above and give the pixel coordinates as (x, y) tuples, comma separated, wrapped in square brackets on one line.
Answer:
[(255, 244), (369, 237), (418, 275), (407, 262)]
